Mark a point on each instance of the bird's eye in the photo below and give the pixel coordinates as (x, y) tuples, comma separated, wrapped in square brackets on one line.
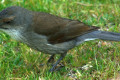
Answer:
[(8, 22)]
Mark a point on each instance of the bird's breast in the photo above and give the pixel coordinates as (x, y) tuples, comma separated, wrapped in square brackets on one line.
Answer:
[(14, 34)]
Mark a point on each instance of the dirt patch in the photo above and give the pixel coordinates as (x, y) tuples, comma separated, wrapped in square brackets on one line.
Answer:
[(116, 78)]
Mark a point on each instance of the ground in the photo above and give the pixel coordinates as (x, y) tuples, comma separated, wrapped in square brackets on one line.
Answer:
[(93, 60)]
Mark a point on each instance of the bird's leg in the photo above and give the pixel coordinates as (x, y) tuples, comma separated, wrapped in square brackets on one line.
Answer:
[(51, 58), (58, 61)]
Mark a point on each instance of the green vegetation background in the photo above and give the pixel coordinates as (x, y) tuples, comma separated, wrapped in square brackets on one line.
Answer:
[(94, 60)]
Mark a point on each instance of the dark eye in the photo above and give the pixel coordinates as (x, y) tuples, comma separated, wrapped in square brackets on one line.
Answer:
[(8, 22)]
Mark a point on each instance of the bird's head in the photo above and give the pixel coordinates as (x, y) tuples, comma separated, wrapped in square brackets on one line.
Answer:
[(14, 17)]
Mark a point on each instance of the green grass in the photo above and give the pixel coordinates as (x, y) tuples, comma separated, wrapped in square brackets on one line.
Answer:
[(17, 61)]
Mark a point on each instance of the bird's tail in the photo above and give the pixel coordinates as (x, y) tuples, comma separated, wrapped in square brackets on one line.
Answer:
[(103, 35)]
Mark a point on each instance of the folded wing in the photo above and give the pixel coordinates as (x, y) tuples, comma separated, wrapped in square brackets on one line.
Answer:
[(59, 29)]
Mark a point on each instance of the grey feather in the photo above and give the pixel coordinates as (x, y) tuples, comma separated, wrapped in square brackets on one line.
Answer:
[(103, 35)]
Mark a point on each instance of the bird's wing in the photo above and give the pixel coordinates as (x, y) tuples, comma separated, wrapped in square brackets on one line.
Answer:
[(59, 29)]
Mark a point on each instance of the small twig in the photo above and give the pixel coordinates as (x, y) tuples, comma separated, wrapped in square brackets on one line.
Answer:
[(16, 78), (83, 4)]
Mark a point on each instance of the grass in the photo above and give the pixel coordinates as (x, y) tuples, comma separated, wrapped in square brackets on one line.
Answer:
[(94, 60)]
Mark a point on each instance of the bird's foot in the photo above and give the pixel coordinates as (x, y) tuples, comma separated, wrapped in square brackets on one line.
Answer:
[(58, 61), (56, 68)]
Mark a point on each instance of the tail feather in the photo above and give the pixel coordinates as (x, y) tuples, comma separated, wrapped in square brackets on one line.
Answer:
[(103, 35)]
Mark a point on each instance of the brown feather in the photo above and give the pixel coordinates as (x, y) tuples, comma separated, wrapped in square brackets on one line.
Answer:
[(59, 29), (8, 19)]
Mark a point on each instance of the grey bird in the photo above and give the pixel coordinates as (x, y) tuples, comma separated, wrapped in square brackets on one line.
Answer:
[(48, 33)]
